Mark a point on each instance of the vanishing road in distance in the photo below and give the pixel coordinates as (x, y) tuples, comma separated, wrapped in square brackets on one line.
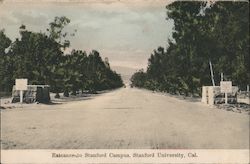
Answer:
[(121, 119)]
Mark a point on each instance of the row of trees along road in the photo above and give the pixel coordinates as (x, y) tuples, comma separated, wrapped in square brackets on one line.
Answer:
[(217, 32), (39, 57)]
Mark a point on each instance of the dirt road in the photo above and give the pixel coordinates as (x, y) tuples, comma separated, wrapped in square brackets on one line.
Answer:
[(124, 118)]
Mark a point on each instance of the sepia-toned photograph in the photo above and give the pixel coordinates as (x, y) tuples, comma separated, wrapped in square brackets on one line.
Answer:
[(124, 74)]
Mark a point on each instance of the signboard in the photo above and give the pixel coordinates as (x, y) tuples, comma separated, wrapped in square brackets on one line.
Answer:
[(226, 86), (21, 84)]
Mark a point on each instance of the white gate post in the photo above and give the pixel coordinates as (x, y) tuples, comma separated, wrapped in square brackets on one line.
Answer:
[(226, 98), (21, 96)]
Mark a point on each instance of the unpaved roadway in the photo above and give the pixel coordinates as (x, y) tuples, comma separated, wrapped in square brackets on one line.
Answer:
[(124, 118)]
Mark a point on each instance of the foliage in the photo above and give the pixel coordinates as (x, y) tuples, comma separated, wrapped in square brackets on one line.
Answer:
[(218, 32), (5, 62), (39, 58)]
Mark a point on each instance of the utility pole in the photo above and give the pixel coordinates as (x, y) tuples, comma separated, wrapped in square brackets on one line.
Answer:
[(211, 71)]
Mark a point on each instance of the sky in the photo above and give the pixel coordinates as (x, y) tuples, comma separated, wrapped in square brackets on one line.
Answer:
[(125, 31)]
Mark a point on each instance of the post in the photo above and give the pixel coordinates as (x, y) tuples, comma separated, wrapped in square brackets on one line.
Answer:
[(221, 76), (226, 98), (212, 74), (21, 96), (248, 94)]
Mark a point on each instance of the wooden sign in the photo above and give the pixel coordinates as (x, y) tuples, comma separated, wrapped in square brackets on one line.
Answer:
[(21, 84), (226, 87)]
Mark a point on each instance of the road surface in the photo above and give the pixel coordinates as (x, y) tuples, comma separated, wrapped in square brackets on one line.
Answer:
[(124, 118)]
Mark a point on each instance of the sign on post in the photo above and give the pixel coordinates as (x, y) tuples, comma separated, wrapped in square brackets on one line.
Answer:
[(226, 87), (21, 85)]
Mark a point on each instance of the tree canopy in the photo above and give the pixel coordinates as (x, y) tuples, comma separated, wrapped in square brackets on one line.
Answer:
[(203, 32), (39, 57)]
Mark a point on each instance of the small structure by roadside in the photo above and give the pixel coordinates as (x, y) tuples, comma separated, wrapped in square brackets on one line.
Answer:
[(238, 101), (212, 95), (34, 93)]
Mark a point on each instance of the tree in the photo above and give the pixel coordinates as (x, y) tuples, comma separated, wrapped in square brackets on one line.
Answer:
[(139, 79), (5, 63), (218, 32), (39, 57), (56, 30)]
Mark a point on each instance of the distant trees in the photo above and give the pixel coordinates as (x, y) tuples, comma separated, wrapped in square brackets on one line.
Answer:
[(87, 72), (218, 32), (39, 57), (139, 78)]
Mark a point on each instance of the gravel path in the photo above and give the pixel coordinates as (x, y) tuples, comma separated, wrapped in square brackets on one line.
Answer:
[(124, 118)]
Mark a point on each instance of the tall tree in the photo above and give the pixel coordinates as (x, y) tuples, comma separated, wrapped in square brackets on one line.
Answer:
[(39, 57), (5, 63), (203, 32)]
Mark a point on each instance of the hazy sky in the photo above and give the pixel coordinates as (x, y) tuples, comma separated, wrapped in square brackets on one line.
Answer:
[(124, 31)]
